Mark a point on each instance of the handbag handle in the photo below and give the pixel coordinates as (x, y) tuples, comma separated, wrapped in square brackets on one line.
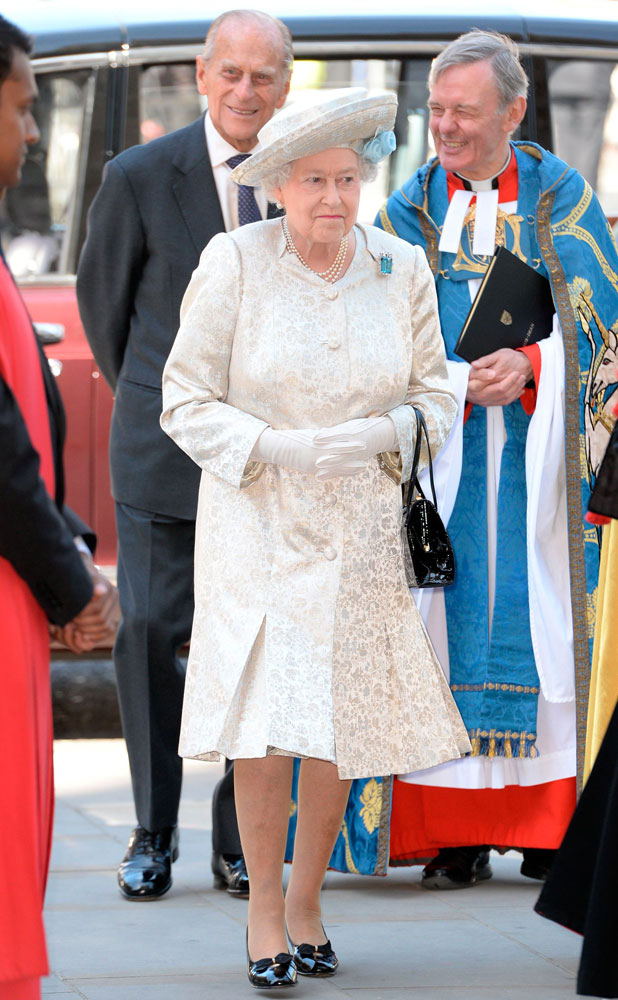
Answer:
[(421, 427)]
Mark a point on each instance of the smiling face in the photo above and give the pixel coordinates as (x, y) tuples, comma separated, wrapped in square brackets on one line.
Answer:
[(18, 128), (470, 133), (245, 80), (321, 197)]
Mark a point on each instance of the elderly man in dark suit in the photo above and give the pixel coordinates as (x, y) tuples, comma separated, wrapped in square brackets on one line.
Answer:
[(158, 207)]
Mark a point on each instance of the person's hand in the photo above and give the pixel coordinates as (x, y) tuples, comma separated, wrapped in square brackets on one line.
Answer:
[(499, 378), (97, 620), (100, 615), (298, 450), (374, 434), (69, 636)]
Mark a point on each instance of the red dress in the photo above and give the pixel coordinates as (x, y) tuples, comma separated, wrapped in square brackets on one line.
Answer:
[(26, 784)]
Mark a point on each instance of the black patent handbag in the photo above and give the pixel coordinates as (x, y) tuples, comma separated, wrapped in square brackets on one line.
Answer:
[(428, 556)]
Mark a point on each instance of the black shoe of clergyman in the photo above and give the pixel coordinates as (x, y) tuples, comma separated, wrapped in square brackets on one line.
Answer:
[(457, 868), (230, 873), (537, 862), (146, 869)]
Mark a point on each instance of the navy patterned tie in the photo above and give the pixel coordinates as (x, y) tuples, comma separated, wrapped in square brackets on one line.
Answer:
[(248, 210)]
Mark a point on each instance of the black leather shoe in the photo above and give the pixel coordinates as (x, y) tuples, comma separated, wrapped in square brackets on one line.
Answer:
[(457, 868), (230, 873), (537, 862), (315, 959), (270, 973), (146, 869)]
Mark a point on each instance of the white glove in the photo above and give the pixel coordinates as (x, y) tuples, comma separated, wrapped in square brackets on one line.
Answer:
[(296, 449), (375, 434)]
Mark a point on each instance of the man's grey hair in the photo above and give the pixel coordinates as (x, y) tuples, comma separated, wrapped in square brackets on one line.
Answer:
[(367, 171), (478, 46), (271, 24)]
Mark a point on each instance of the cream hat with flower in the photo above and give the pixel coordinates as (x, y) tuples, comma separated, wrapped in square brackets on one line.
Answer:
[(347, 118)]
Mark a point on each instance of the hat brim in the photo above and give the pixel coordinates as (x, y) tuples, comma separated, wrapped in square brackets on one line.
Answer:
[(360, 119)]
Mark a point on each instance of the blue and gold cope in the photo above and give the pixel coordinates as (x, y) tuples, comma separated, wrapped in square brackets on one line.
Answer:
[(362, 844), (560, 230)]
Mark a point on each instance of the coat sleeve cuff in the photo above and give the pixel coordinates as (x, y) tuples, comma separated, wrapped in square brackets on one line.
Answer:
[(405, 425), (528, 397)]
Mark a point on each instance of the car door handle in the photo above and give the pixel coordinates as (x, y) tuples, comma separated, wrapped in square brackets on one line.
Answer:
[(49, 333)]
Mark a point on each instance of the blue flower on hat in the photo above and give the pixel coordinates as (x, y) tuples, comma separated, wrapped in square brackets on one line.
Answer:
[(382, 144)]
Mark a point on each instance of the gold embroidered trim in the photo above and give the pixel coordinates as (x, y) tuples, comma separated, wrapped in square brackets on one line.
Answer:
[(573, 473), (490, 686), (502, 743), (371, 797), (568, 227), (431, 241), (384, 831), (387, 225), (349, 860)]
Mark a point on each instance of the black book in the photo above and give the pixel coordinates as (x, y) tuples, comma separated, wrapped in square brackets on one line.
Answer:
[(513, 308)]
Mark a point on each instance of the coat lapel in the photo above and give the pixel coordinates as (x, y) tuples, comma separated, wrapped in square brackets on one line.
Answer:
[(194, 187)]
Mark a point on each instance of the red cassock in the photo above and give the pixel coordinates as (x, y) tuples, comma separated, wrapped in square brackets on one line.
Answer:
[(26, 783)]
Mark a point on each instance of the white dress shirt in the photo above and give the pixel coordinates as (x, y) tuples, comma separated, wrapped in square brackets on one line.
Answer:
[(220, 150)]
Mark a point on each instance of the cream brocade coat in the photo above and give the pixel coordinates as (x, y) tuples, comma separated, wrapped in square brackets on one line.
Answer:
[(306, 640)]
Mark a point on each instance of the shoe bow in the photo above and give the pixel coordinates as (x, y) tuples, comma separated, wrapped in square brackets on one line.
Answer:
[(279, 964)]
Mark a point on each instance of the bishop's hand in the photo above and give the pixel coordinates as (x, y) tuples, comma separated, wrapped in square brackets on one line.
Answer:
[(499, 378)]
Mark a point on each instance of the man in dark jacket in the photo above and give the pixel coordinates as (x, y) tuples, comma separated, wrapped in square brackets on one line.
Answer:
[(157, 208)]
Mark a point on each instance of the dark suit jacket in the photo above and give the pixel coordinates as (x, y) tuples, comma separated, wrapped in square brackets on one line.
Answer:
[(156, 210), (36, 530)]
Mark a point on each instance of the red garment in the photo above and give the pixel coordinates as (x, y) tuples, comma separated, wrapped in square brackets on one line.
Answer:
[(507, 183), (426, 818), (26, 783), (528, 397), (24, 989)]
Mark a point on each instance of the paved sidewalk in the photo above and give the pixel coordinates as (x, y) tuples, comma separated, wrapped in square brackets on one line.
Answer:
[(395, 940)]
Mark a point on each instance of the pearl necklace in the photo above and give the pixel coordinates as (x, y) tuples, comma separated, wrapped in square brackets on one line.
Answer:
[(331, 273)]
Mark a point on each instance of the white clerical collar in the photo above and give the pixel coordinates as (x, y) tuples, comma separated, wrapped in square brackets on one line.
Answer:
[(484, 241), (219, 149), (488, 183)]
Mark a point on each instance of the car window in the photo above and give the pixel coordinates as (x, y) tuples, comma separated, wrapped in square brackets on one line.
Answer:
[(38, 217), (414, 143), (583, 96), (168, 99)]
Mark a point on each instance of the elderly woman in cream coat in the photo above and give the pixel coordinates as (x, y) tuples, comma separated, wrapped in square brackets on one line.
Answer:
[(303, 344)]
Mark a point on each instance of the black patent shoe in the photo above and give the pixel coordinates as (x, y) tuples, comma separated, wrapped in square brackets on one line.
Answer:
[(457, 868), (272, 973), (315, 959), (146, 869), (537, 862), (230, 873)]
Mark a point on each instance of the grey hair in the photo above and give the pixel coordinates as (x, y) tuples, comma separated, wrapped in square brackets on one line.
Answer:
[(273, 24), (367, 171), (478, 46), (276, 179)]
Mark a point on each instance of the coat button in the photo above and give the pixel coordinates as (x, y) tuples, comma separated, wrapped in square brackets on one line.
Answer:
[(333, 343), (332, 294), (330, 554), (330, 499)]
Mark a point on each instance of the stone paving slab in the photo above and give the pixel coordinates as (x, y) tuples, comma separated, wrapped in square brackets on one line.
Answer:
[(395, 939)]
